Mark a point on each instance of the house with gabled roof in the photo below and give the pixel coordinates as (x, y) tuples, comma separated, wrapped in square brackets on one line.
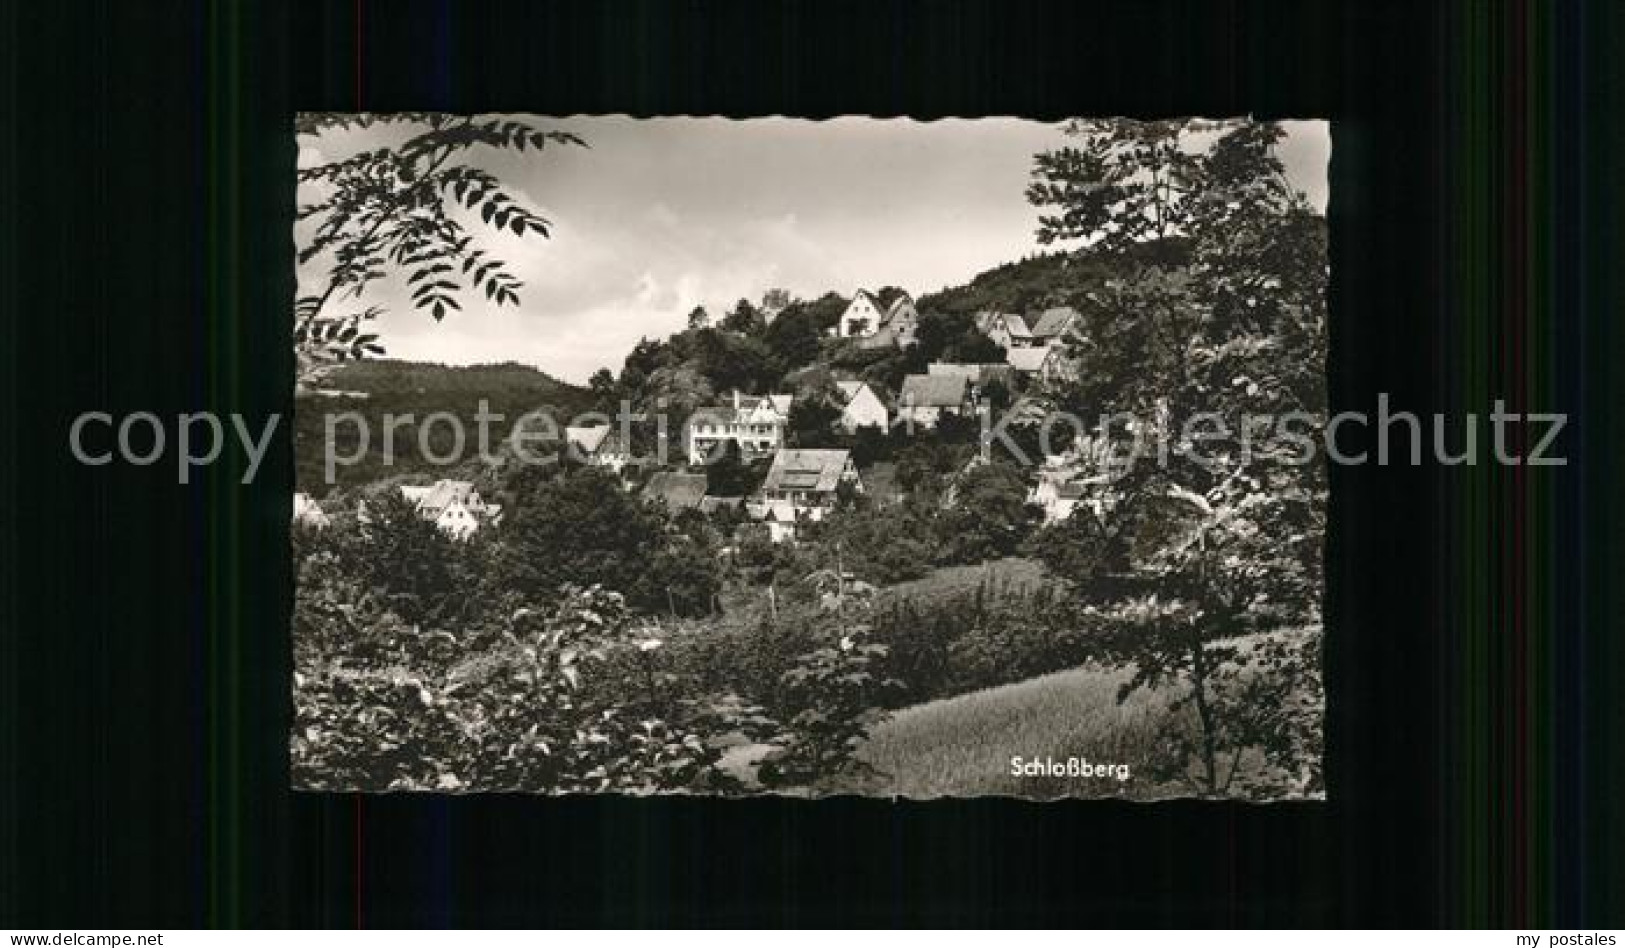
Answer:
[(453, 506), (801, 485), (924, 399), (599, 445), (861, 407), (1026, 362), (862, 316), (979, 374), (1053, 324), (877, 325), (755, 422), (1007, 330), (1051, 364)]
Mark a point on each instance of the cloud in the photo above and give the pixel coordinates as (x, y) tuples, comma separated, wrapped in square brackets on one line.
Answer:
[(661, 215)]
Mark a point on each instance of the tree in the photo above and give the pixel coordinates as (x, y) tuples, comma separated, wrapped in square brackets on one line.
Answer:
[(813, 416), (744, 318), (698, 318), (604, 390), (400, 208), (1217, 318), (728, 475), (580, 528), (988, 518), (406, 559), (793, 337), (682, 578)]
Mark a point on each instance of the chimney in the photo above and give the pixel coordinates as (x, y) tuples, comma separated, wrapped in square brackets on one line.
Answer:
[(736, 399)]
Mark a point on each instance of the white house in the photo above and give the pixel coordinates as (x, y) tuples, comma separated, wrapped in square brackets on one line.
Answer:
[(756, 422), (453, 506), (306, 511), (599, 445), (1057, 499), (862, 408), (924, 399), (781, 523), (801, 485), (1007, 330), (1049, 364), (862, 316), (876, 325)]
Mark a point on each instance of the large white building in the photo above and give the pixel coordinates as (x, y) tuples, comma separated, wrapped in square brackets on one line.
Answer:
[(755, 422)]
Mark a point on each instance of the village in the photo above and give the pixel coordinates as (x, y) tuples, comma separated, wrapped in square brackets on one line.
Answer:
[(814, 543), (802, 480)]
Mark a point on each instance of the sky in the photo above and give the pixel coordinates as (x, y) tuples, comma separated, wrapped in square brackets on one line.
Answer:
[(658, 216)]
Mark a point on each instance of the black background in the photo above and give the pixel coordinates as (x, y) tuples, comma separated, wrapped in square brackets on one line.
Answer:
[(145, 623)]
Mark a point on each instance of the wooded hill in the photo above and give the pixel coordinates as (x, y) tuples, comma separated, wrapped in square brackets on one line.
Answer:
[(376, 388)]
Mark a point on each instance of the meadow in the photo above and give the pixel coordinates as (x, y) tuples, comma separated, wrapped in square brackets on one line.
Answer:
[(962, 746)]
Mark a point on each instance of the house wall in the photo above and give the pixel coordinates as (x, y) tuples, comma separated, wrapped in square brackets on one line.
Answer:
[(1058, 367), (904, 323), (923, 417), (859, 309), (865, 410), (755, 438)]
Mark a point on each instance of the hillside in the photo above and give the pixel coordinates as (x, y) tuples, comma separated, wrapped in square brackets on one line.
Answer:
[(374, 389), (961, 747)]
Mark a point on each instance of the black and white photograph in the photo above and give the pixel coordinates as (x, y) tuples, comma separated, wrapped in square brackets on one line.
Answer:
[(876, 457)]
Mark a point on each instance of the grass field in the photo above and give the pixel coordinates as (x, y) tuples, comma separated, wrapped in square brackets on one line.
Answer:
[(962, 746), (1012, 573)]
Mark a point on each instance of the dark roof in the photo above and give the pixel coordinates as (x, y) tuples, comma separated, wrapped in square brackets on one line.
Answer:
[(810, 469), (980, 373), (1053, 322), (933, 391), (678, 490), (714, 415), (443, 494)]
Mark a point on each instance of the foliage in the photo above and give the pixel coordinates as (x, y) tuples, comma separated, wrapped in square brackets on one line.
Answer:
[(988, 516), (840, 695), (404, 558), (744, 318), (579, 528), (523, 721), (729, 475), (401, 208), (1218, 312)]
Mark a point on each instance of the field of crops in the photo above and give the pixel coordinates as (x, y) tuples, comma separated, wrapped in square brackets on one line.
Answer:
[(963, 746)]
